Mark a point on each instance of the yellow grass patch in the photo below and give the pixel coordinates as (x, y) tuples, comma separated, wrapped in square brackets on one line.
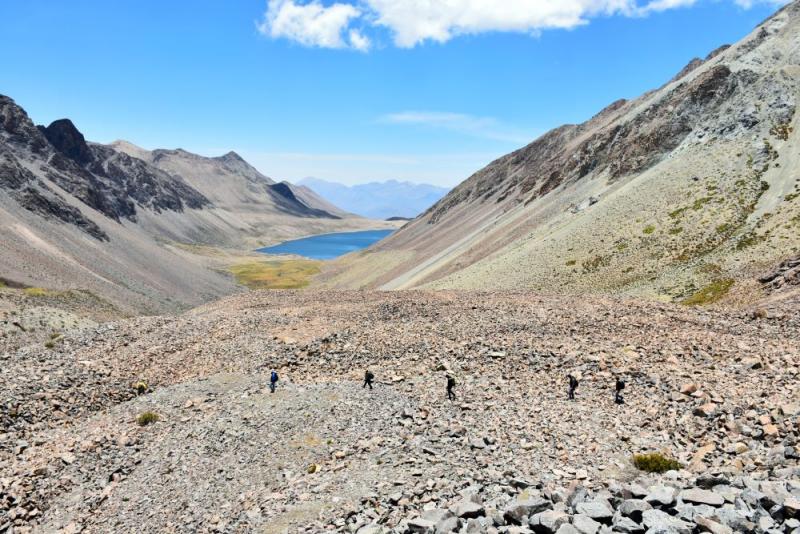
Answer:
[(37, 292), (275, 274)]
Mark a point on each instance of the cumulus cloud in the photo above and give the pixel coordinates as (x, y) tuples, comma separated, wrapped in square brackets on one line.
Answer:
[(411, 22), (313, 24)]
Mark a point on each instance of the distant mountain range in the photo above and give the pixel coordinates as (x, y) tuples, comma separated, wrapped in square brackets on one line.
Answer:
[(378, 200)]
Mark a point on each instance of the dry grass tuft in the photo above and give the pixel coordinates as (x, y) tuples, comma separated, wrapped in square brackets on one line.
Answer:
[(276, 274)]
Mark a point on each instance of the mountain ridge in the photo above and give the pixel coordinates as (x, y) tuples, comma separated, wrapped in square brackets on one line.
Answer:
[(124, 222), (661, 196)]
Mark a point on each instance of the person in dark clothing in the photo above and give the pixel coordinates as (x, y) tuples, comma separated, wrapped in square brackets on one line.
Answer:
[(368, 378), (618, 391), (273, 381), (573, 385), (451, 383)]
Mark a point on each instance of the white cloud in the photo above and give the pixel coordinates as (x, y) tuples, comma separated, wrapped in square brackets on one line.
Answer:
[(747, 4), (359, 41), (663, 5), (411, 22), (484, 127), (313, 24)]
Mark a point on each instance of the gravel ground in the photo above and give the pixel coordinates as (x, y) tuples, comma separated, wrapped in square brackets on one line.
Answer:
[(716, 390)]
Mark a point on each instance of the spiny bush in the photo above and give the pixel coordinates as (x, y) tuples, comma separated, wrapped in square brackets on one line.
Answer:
[(649, 229), (147, 418), (655, 462)]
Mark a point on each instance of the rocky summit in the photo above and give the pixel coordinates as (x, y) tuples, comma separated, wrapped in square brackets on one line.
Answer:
[(158, 424)]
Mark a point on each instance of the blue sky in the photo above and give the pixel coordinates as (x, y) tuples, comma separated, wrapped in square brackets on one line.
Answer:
[(352, 90)]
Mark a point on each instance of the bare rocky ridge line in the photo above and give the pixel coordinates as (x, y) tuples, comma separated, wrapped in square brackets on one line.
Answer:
[(716, 390)]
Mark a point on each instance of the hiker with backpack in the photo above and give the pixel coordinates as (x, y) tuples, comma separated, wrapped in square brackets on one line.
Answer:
[(573, 385), (451, 383), (618, 391), (368, 378), (273, 380)]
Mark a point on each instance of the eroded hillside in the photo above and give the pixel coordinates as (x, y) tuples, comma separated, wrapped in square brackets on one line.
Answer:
[(691, 187)]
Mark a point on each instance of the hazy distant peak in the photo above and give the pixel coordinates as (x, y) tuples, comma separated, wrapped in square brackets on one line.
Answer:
[(378, 200)]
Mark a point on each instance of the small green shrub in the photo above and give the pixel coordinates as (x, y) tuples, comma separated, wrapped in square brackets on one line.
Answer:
[(649, 229), (677, 213), (723, 228), (675, 231), (570, 263), (711, 293), (781, 131), (36, 292), (655, 462), (49, 344), (700, 202), (147, 418)]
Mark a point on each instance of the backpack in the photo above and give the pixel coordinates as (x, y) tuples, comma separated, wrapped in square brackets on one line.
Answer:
[(370, 376), (273, 377)]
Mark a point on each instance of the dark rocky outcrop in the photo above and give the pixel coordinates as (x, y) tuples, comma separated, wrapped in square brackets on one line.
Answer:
[(786, 274), (287, 201), (66, 138), (33, 195)]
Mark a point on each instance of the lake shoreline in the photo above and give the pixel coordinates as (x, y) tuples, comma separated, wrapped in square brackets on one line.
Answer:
[(327, 246)]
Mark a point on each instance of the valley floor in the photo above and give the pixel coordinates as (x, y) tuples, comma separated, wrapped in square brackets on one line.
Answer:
[(716, 390)]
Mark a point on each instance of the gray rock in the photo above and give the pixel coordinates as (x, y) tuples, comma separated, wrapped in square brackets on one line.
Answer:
[(709, 525), (663, 522), (436, 515), (422, 526), (445, 526), (634, 508), (627, 525), (467, 509), (371, 529), (599, 510), (660, 495), (566, 528), (548, 522), (519, 511), (585, 524), (473, 526), (701, 496), (735, 519)]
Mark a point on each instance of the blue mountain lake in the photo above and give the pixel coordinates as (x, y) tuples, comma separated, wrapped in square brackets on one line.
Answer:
[(328, 246)]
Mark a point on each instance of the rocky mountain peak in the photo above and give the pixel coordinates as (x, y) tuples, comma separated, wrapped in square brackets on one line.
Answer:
[(17, 128), (66, 138), (232, 157)]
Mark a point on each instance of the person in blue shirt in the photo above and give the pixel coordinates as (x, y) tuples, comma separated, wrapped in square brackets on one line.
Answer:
[(273, 380)]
